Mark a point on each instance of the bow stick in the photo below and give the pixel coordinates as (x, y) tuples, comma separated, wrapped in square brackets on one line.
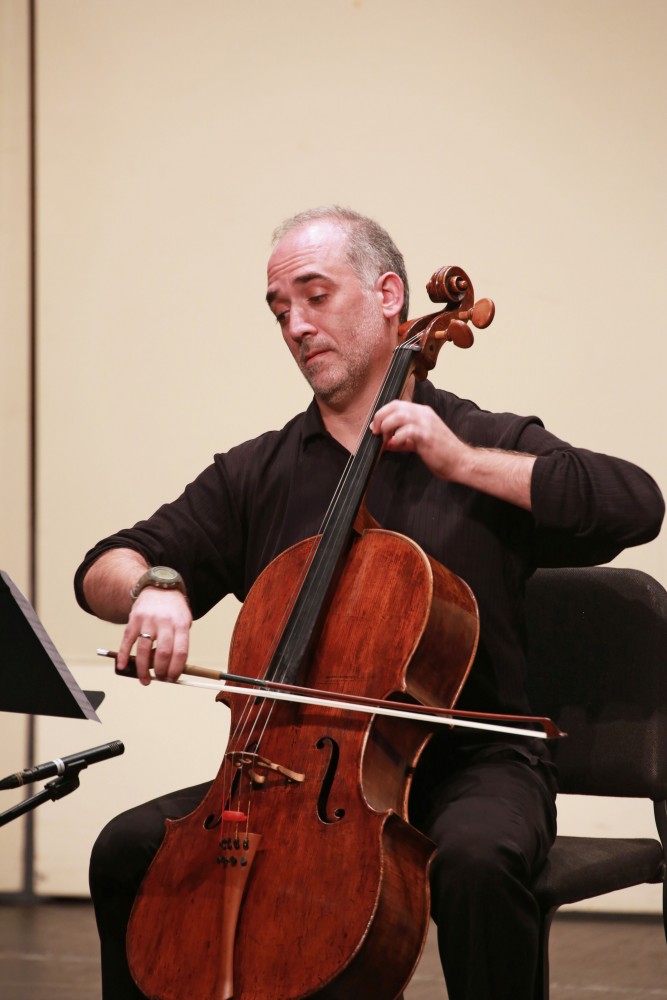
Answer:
[(262, 688)]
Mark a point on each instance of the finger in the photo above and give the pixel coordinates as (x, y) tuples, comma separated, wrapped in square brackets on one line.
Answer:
[(390, 419), (394, 405), (384, 415), (123, 651), (143, 656), (127, 642), (162, 654), (386, 426), (405, 437), (179, 654), (130, 635), (171, 650)]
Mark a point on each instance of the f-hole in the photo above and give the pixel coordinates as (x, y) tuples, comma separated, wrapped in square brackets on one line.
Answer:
[(330, 774)]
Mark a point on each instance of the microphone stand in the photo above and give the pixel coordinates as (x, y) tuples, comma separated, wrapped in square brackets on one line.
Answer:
[(53, 790)]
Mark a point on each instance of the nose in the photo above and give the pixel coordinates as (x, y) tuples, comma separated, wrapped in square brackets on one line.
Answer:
[(299, 324)]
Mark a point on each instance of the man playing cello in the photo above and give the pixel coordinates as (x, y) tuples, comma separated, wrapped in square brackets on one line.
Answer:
[(491, 496)]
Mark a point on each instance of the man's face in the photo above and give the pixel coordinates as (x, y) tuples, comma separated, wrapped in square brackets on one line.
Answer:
[(333, 323)]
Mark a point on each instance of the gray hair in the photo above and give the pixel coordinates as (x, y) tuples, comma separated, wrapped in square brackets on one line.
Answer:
[(370, 249)]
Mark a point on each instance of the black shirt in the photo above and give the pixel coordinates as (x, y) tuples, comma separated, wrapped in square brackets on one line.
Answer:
[(264, 495)]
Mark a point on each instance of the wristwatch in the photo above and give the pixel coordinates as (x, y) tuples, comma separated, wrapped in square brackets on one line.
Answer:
[(162, 577)]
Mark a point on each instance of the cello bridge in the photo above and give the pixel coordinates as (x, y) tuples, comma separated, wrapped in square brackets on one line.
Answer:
[(253, 763)]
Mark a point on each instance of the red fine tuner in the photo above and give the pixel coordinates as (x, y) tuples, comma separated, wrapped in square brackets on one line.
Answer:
[(230, 816)]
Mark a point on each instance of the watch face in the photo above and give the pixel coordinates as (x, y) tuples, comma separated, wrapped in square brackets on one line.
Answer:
[(163, 574)]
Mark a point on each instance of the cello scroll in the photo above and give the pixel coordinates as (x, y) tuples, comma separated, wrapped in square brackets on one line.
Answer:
[(452, 286)]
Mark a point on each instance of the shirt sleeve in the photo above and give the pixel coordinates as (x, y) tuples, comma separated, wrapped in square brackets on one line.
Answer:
[(199, 534), (587, 506)]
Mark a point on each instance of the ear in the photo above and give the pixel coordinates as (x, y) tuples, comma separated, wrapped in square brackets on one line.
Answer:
[(389, 287)]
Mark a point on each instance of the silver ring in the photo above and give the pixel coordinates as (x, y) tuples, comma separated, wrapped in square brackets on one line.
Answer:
[(145, 635)]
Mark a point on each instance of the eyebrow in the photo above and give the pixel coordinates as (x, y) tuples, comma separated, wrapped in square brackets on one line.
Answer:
[(302, 279)]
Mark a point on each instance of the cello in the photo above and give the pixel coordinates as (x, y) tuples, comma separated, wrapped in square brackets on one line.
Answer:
[(243, 898)]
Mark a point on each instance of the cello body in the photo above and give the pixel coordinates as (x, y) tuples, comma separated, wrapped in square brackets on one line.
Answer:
[(336, 890)]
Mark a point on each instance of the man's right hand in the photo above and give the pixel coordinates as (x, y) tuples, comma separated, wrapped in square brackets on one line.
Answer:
[(158, 620), (159, 623)]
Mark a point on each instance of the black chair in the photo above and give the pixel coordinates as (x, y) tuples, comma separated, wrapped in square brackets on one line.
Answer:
[(597, 650)]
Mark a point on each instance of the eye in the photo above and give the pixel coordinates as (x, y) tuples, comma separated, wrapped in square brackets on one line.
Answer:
[(317, 299), (281, 318)]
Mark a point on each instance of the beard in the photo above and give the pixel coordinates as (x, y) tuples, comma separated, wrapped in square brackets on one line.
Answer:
[(345, 366)]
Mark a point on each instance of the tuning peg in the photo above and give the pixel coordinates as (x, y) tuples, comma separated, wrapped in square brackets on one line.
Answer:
[(482, 313), (460, 333)]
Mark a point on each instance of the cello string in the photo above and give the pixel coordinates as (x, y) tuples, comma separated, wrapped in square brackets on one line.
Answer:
[(317, 538), (363, 444), (331, 540)]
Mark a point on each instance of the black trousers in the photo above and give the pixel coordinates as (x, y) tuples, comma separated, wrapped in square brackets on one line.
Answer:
[(490, 809)]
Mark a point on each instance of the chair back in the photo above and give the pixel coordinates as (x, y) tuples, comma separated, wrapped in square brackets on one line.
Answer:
[(597, 665)]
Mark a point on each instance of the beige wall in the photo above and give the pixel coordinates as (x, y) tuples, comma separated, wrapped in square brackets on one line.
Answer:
[(14, 378), (523, 141)]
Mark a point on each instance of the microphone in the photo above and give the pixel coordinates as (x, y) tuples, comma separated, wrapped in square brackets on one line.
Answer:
[(60, 765)]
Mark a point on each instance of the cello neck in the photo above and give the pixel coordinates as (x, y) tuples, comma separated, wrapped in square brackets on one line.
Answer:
[(320, 579)]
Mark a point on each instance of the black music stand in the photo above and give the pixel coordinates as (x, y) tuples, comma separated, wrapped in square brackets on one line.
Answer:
[(35, 678), (36, 681)]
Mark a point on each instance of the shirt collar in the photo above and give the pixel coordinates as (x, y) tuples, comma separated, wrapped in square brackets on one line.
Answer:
[(313, 425)]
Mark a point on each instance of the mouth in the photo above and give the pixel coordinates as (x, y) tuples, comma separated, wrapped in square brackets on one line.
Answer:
[(310, 355)]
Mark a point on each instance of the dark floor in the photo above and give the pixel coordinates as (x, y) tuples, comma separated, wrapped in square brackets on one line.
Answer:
[(49, 952)]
